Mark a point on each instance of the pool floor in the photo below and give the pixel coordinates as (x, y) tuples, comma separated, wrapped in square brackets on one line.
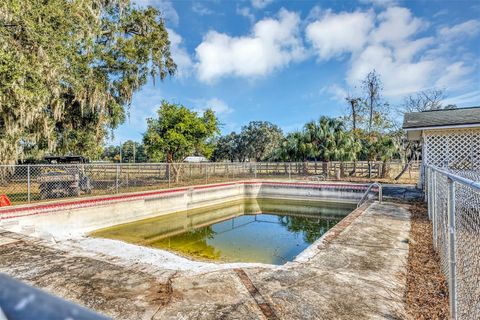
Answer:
[(251, 230)]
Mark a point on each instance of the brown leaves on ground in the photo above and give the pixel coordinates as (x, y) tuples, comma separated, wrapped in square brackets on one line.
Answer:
[(427, 290)]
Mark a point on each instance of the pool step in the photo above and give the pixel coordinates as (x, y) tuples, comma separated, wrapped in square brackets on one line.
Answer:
[(8, 223), (11, 225), (44, 236), (27, 229), (15, 226)]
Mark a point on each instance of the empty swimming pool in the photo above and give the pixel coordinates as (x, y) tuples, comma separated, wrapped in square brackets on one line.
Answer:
[(250, 230)]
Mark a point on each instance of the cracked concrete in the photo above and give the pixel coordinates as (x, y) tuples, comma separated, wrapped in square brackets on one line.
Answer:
[(359, 273)]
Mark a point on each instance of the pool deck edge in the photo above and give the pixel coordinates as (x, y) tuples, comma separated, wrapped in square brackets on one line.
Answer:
[(357, 271)]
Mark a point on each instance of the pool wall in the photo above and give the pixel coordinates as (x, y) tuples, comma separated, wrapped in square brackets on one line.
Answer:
[(72, 218)]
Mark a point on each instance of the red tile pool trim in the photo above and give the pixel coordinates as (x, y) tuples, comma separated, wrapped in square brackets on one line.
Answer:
[(28, 210), (315, 185)]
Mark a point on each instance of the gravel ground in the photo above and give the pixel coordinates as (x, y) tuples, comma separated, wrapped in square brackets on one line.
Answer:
[(427, 289)]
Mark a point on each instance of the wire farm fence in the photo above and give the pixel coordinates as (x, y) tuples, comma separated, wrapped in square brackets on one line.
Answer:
[(32, 183), (453, 198)]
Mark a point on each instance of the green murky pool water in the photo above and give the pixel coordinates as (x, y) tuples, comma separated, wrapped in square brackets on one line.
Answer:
[(253, 230)]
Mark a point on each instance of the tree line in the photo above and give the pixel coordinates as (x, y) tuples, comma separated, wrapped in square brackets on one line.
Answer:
[(69, 69), (365, 133)]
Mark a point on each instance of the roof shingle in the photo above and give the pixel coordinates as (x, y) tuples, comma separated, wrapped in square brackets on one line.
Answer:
[(439, 118)]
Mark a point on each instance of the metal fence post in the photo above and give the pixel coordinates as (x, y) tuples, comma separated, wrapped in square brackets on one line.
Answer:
[(255, 170), (380, 193), (206, 173), (434, 207), (289, 171), (168, 171), (116, 178), (28, 183), (429, 192), (452, 260)]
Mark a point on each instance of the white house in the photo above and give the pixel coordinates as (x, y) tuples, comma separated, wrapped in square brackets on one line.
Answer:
[(195, 159), (450, 138)]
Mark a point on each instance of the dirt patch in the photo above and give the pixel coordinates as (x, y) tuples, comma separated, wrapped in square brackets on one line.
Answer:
[(164, 294), (427, 290)]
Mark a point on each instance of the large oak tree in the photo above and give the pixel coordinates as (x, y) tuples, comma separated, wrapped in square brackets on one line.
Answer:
[(68, 70), (178, 132)]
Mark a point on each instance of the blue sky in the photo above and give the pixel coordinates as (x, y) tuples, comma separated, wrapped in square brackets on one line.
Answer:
[(290, 62)]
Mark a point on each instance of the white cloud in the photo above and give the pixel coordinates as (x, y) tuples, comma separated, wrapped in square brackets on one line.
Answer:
[(395, 53), (454, 75), (180, 54), (314, 14), (469, 99), (451, 41), (272, 44), (409, 49), (396, 25), (337, 93), (335, 34), (399, 77), (200, 9), (260, 4), (380, 3), (468, 28), (217, 105), (391, 42), (246, 12), (440, 13), (392, 52), (165, 6)]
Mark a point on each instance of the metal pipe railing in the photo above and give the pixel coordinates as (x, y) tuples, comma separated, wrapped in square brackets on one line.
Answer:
[(465, 181), (365, 195), (452, 261), (20, 301)]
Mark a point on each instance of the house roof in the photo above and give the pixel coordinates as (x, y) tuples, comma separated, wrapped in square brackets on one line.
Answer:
[(442, 118), (195, 159)]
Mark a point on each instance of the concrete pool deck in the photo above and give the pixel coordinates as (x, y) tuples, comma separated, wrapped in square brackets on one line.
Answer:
[(357, 271)]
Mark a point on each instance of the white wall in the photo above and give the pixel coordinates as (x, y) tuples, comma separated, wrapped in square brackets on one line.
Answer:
[(69, 221)]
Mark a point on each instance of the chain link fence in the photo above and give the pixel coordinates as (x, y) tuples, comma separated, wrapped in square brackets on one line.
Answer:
[(453, 198), (33, 183)]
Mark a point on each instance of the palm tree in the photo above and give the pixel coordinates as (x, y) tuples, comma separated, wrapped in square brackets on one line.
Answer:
[(325, 140), (377, 147), (331, 140), (386, 150), (295, 147)]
